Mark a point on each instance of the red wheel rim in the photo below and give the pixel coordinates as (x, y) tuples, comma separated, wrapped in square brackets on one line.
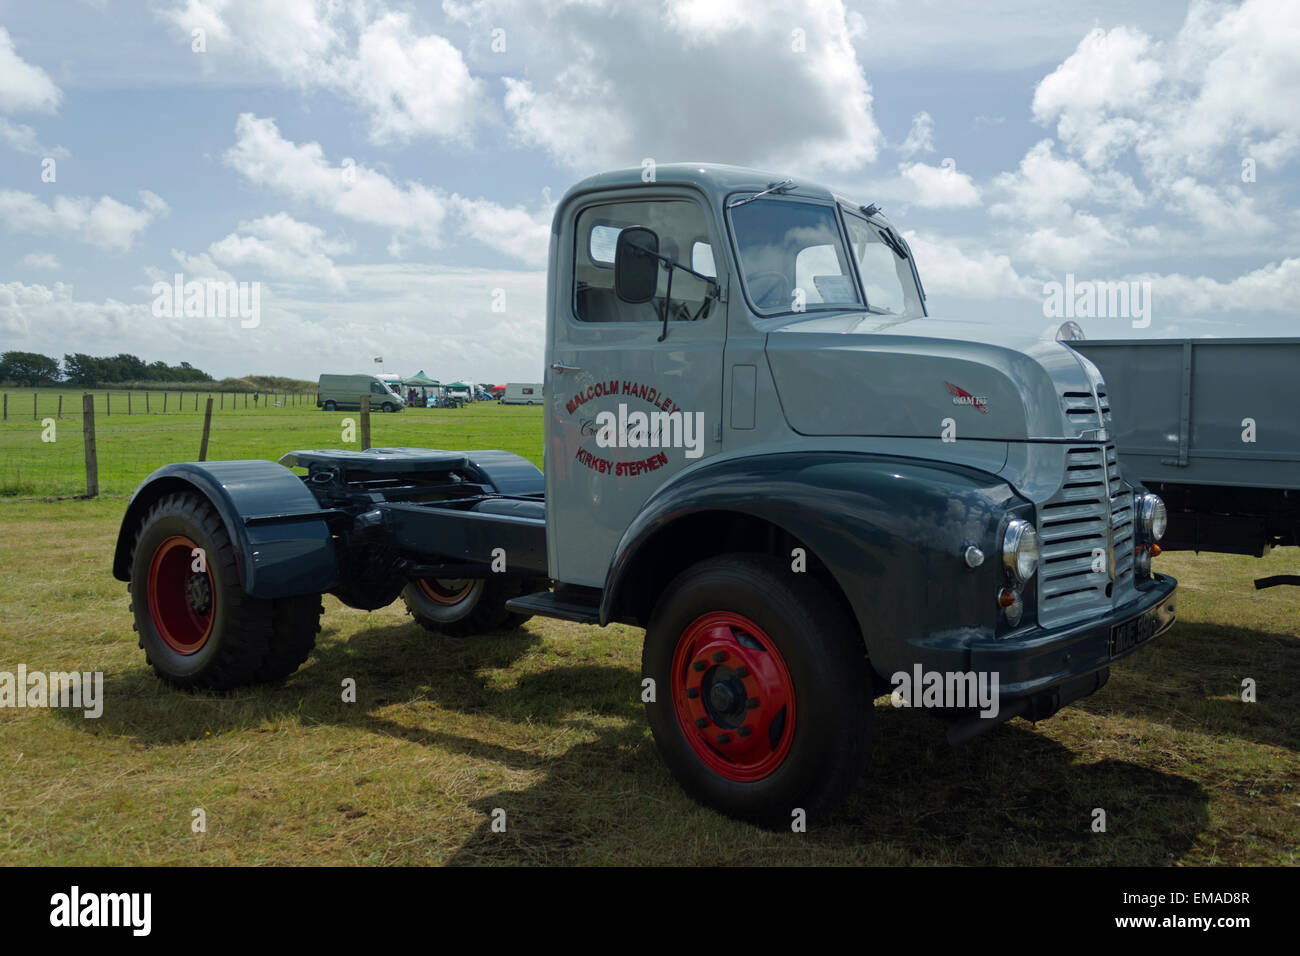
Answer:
[(446, 591), (733, 696), (182, 601)]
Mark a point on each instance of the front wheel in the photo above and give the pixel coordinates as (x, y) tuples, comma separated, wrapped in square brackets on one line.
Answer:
[(389, 407), (330, 406), (763, 699)]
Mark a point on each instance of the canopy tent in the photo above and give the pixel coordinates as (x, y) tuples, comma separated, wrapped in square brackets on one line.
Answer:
[(420, 379), (457, 385)]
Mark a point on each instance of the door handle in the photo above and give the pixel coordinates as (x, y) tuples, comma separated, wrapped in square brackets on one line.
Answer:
[(560, 367)]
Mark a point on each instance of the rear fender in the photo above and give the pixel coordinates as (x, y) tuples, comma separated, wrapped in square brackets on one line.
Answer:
[(281, 547)]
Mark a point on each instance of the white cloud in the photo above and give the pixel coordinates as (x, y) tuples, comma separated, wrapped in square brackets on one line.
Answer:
[(105, 223), (1072, 243), (22, 138), (411, 211), (1044, 186), (41, 260), (22, 85), (282, 246), (920, 138), (940, 187), (409, 84), (607, 84), (1222, 208), (417, 316), (1272, 288), (946, 269)]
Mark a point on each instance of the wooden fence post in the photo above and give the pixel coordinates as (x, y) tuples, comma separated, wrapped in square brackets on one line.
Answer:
[(35, 417), (164, 401), (88, 437), (365, 422), (108, 403), (128, 401), (60, 404), (207, 428), (6, 418)]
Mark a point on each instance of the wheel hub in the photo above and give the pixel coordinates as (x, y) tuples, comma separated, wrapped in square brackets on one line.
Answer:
[(733, 696), (198, 592)]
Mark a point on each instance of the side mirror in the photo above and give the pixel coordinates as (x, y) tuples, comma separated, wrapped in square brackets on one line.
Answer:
[(636, 270)]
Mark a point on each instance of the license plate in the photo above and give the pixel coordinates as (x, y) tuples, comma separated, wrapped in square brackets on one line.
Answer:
[(1124, 637)]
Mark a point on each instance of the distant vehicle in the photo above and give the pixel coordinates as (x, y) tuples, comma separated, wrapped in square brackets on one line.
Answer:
[(522, 393), (345, 391), (459, 391)]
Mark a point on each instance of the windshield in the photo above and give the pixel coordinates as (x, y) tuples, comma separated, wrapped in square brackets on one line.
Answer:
[(887, 279), (792, 257)]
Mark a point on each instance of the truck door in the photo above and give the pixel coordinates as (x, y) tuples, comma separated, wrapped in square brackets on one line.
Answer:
[(626, 411)]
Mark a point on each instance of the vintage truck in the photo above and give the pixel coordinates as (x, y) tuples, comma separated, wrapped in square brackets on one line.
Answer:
[(759, 448)]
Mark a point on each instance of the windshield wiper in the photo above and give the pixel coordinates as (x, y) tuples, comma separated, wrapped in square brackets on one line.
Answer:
[(893, 243), (782, 186)]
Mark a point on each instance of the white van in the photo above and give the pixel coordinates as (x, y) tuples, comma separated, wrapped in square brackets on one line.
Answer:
[(522, 393), (345, 391)]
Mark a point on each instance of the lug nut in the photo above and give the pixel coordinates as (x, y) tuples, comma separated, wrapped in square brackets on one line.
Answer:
[(700, 665), (752, 703), (692, 692), (719, 657), (745, 731), (724, 738), (701, 722), (742, 672)]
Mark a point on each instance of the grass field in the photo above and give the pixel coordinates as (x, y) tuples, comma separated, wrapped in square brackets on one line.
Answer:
[(131, 446), (545, 723)]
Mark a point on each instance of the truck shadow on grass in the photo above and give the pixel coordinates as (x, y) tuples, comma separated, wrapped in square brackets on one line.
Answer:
[(1191, 679), (1013, 796)]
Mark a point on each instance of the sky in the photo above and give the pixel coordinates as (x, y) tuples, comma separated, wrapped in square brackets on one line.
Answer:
[(385, 172)]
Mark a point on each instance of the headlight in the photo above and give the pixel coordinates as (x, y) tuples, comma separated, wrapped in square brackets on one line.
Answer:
[(1020, 550), (1155, 517)]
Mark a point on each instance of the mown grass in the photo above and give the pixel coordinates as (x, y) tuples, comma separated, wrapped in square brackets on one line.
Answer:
[(545, 723), (131, 446)]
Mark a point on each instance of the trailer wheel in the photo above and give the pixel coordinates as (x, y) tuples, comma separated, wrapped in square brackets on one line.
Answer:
[(464, 606), (330, 406), (195, 623), (763, 700)]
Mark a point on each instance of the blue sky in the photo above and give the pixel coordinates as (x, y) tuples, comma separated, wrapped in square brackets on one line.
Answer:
[(1013, 143)]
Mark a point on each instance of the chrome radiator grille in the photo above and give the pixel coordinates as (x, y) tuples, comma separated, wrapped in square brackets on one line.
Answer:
[(1086, 525)]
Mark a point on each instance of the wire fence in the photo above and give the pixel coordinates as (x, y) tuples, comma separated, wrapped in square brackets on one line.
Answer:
[(56, 443)]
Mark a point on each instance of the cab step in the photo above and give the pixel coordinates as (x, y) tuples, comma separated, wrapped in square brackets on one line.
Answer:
[(571, 604)]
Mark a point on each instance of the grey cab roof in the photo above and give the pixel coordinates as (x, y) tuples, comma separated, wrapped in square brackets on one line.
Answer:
[(716, 181)]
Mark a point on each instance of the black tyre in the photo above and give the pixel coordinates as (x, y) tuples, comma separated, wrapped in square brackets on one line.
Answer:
[(763, 700), (195, 623), (389, 407), (330, 406), (466, 606)]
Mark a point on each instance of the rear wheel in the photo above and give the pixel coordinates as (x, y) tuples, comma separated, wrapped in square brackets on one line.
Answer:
[(197, 626), (330, 406), (763, 698), (463, 606)]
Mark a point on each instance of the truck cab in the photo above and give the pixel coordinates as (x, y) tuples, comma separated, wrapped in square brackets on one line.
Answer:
[(760, 448)]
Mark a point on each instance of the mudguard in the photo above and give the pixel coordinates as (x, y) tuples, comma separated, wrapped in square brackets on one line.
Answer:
[(282, 547), (892, 532)]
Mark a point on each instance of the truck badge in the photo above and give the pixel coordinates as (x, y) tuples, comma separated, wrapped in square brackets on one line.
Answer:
[(962, 397)]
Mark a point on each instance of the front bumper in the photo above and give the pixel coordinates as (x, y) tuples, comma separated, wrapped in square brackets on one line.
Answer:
[(1035, 663)]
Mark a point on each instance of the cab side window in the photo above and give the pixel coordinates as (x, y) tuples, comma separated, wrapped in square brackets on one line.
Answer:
[(683, 235)]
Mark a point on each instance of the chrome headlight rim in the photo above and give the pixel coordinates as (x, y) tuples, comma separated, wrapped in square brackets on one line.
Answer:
[(1154, 517), (1020, 550)]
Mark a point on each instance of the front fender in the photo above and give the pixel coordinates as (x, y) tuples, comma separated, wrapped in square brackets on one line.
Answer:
[(281, 548), (892, 532)]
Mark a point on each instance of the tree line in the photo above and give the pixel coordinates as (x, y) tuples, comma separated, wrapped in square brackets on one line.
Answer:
[(33, 369)]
